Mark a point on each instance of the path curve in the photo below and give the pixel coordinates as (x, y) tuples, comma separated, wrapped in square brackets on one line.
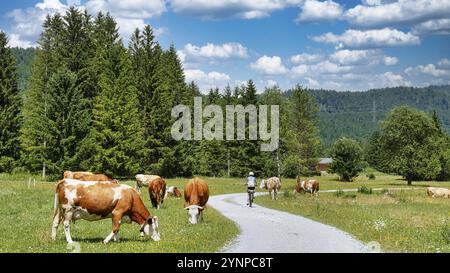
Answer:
[(272, 231)]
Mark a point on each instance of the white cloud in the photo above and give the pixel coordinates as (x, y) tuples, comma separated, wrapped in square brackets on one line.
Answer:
[(430, 73), (51, 5), (429, 69), (27, 23), (213, 51), (444, 63), (349, 57), (300, 70), (132, 9), (306, 58), (375, 38), (217, 9), (15, 41), (388, 60), (313, 11), (438, 26), (271, 83), (205, 80), (269, 65), (398, 13), (327, 67), (390, 79)]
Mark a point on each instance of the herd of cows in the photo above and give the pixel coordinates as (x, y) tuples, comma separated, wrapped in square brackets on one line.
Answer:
[(91, 196)]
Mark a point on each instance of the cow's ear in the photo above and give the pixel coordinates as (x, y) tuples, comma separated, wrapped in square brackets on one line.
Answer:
[(150, 220), (201, 208)]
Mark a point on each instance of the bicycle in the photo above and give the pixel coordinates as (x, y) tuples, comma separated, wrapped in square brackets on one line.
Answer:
[(251, 197)]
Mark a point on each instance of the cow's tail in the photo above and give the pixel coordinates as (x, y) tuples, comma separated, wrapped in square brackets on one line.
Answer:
[(56, 205)]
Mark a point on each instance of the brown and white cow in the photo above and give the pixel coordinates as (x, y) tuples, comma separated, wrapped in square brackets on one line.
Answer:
[(438, 192), (311, 186), (273, 185), (88, 176), (143, 180), (196, 195), (156, 191), (172, 191), (96, 200)]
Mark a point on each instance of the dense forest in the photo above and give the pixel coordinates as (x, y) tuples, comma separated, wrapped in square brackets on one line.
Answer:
[(88, 102), (352, 114)]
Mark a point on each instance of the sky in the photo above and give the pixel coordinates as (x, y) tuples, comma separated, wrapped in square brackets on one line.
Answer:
[(341, 45)]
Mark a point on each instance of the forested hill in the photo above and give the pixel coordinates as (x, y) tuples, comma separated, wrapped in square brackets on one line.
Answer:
[(356, 114)]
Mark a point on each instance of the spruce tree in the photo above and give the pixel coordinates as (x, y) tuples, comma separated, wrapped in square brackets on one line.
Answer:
[(116, 138), (300, 135), (9, 107)]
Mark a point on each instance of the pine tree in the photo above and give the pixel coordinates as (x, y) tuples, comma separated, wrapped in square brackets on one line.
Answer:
[(145, 53), (116, 138), (9, 107), (300, 135), (34, 111), (170, 90)]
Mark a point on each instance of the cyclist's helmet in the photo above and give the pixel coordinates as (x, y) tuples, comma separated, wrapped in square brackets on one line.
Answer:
[(251, 174)]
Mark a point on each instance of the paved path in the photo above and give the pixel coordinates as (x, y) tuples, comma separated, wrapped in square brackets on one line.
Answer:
[(268, 230)]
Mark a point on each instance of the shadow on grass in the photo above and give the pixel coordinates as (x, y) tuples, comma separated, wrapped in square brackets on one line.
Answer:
[(100, 240)]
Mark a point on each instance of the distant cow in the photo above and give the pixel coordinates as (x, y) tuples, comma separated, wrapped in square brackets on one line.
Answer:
[(156, 191), (310, 186), (196, 195), (88, 176), (143, 180), (273, 185), (172, 191), (438, 192), (96, 200)]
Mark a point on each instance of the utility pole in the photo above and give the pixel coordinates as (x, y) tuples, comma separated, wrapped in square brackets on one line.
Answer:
[(228, 162)]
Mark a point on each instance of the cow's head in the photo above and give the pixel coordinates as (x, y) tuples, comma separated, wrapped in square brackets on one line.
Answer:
[(151, 226), (194, 213), (263, 184)]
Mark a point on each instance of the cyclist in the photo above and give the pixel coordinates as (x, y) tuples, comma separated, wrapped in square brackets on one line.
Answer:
[(251, 183)]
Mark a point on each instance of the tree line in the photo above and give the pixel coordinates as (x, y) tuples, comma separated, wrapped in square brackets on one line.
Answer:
[(92, 103)]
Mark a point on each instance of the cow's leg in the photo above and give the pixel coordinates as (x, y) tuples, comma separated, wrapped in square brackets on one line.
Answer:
[(67, 220), (275, 194), (117, 216), (116, 237), (55, 224), (138, 188)]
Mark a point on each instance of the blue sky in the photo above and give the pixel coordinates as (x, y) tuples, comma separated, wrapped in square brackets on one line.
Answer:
[(341, 45)]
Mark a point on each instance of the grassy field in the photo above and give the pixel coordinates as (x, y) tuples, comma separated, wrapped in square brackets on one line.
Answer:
[(27, 215), (405, 220)]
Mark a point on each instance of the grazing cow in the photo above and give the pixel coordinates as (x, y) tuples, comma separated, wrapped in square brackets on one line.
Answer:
[(311, 186), (156, 191), (75, 175), (196, 194), (172, 191), (272, 184), (88, 176), (438, 192), (96, 200), (143, 180)]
